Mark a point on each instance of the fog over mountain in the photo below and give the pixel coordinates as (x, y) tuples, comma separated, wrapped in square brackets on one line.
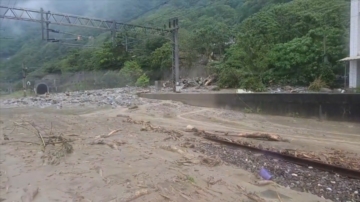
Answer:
[(119, 10)]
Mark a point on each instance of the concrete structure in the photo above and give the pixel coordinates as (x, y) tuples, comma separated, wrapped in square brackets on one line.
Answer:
[(340, 107), (354, 58)]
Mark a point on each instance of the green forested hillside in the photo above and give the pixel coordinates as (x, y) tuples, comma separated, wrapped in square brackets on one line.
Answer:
[(274, 42)]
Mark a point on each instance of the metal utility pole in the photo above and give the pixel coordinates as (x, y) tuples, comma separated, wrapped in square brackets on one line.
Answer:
[(42, 24), (24, 71), (47, 25), (113, 33), (126, 43), (174, 26)]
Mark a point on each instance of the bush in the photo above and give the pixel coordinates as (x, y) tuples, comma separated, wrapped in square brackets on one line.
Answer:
[(229, 77), (143, 81), (130, 72), (317, 84), (252, 83)]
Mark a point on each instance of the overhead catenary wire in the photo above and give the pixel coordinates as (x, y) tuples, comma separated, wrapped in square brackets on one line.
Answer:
[(2, 21), (91, 37)]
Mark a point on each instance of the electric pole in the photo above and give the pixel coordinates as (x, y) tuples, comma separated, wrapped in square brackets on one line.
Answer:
[(42, 24), (113, 33), (24, 71), (174, 26), (47, 25), (126, 42)]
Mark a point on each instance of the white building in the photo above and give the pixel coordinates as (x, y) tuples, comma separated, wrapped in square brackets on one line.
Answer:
[(354, 57)]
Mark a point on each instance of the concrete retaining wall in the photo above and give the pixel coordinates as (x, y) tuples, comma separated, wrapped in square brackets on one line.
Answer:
[(340, 107)]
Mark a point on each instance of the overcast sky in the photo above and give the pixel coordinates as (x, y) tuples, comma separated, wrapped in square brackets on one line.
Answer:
[(119, 10)]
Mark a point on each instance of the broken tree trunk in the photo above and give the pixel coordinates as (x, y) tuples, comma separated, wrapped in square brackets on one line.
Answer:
[(267, 136)]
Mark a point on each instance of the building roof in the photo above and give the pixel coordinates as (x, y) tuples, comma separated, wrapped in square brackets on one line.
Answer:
[(351, 58)]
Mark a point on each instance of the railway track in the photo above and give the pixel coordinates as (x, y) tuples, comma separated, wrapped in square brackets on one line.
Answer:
[(355, 174)]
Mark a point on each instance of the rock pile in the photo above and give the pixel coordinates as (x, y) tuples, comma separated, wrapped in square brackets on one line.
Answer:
[(108, 97)]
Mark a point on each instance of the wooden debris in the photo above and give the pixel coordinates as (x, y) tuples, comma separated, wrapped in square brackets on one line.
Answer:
[(62, 144), (138, 194), (147, 126), (30, 194), (211, 181), (252, 196), (27, 142), (39, 134), (123, 116), (133, 107), (185, 197), (210, 161), (255, 197), (264, 182), (335, 157), (108, 135), (210, 79), (166, 197), (172, 149), (114, 144), (267, 136)]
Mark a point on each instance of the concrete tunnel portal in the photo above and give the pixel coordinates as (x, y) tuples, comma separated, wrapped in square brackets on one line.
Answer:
[(41, 89)]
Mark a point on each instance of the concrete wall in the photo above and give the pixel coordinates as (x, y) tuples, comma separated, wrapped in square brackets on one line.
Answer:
[(341, 107)]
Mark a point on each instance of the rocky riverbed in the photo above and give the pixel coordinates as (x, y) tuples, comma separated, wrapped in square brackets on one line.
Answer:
[(126, 96), (176, 115), (106, 97)]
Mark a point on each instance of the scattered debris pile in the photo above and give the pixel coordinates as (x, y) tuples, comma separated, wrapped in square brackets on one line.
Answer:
[(124, 97), (199, 82), (147, 126), (102, 140), (54, 146)]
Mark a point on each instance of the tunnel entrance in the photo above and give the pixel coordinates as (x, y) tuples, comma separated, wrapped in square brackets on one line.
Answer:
[(41, 89)]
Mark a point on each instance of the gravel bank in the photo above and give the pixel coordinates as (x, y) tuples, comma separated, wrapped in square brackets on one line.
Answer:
[(324, 184), (106, 97)]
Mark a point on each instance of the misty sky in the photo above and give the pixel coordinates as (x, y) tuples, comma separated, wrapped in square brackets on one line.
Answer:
[(108, 9), (119, 10)]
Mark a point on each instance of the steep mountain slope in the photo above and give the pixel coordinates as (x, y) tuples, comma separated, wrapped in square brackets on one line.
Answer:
[(276, 41)]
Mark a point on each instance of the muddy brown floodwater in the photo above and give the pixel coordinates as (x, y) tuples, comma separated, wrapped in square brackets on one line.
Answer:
[(94, 154)]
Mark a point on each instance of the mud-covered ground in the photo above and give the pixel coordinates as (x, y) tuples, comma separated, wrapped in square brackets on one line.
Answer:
[(93, 153)]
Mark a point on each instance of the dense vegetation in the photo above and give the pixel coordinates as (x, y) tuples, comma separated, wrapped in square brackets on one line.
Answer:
[(289, 42)]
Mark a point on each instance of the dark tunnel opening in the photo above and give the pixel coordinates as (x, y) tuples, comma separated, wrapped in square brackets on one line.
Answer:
[(41, 89)]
